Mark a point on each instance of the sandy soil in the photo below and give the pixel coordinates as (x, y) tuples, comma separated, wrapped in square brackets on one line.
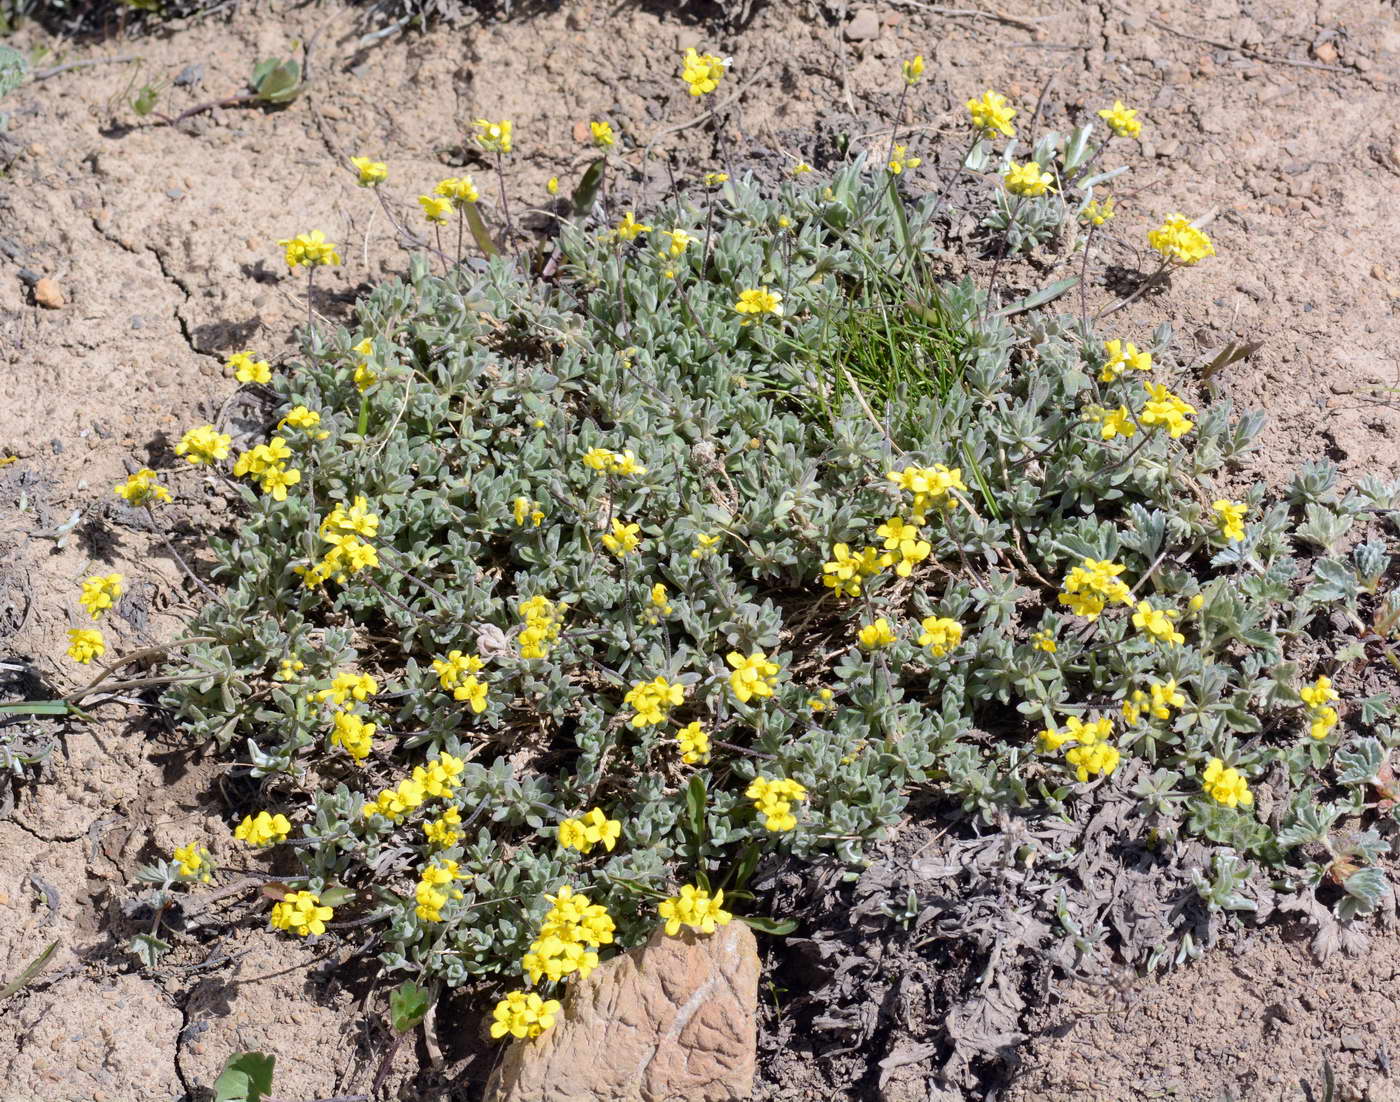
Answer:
[(1281, 119)]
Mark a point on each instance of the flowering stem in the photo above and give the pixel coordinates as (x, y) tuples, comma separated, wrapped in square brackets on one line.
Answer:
[(460, 220), (310, 287), (1001, 255), (1146, 285), (505, 202), (177, 556), (437, 233), (744, 750), (1084, 278)]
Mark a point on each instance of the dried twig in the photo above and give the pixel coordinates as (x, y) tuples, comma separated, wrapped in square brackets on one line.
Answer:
[(44, 74)]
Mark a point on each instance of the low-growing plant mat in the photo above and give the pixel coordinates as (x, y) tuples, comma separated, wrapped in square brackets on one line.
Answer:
[(1321, 368)]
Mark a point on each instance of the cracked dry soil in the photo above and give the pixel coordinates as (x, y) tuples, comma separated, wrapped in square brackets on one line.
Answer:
[(1282, 119)]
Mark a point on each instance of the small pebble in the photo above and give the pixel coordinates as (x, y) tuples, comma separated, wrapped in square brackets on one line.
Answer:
[(47, 294)]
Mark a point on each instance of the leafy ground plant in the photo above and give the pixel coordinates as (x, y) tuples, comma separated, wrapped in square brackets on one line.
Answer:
[(564, 602)]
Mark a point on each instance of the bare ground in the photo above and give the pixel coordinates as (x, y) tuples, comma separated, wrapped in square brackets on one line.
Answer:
[(1282, 119)]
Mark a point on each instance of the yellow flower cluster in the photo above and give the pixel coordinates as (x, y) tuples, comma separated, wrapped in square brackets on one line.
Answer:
[(611, 462), (758, 302), (572, 930), (457, 674), (543, 620), (347, 686), (1091, 585), (941, 634), (288, 668), (1097, 213), (458, 190), (1044, 641), (1164, 697), (301, 913), (878, 634), (694, 743), (1112, 422), (629, 229), (753, 676), (704, 546), (100, 592), (142, 488), (906, 541), (428, 893), (268, 463), (913, 69), (678, 242), (1027, 180), (263, 829), (991, 115), (773, 799), (1176, 239), (494, 137), (1322, 716), (353, 735), (442, 831), (1224, 785), (900, 160), (593, 829), (343, 528), (1165, 408), (658, 604), (440, 779), (1092, 756), (310, 249), (623, 539), (435, 208), (193, 862), (603, 135), (845, 571), (1158, 623), (653, 700), (702, 72), (931, 486), (523, 509), (204, 445), (1121, 357), (1230, 515), (85, 644), (696, 908), (1123, 121), (248, 370), (523, 1015), (371, 173), (299, 417), (364, 377)]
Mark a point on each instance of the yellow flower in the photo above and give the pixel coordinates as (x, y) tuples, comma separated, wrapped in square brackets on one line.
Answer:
[(494, 137), (1319, 693), (941, 634), (85, 644), (301, 913), (603, 136), (1117, 422), (353, 734), (301, 418), (757, 302), (263, 829), (704, 545), (288, 669), (714, 179), (653, 700), (141, 488), (552, 185), (679, 242), (523, 1015), (821, 701), (931, 486), (276, 480), (1099, 759), (702, 72), (309, 249), (1230, 514), (1176, 239), (1134, 705), (899, 161), (435, 208), (1121, 357), (1158, 623), (878, 634), (193, 862), (623, 538), (845, 571), (1123, 121), (1224, 785), (524, 510), (100, 593), (694, 743), (800, 169), (991, 115), (1322, 721), (1097, 213), (753, 676), (459, 190), (629, 229), (248, 370), (1165, 408), (913, 69), (1044, 640), (1093, 583), (204, 445), (904, 539), (1027, 179), (1165, 697), (696, 908), (372, 173), (773, 800)]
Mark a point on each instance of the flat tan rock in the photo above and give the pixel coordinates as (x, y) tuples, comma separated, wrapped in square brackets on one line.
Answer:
[(47, 293), (669, 1021)]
